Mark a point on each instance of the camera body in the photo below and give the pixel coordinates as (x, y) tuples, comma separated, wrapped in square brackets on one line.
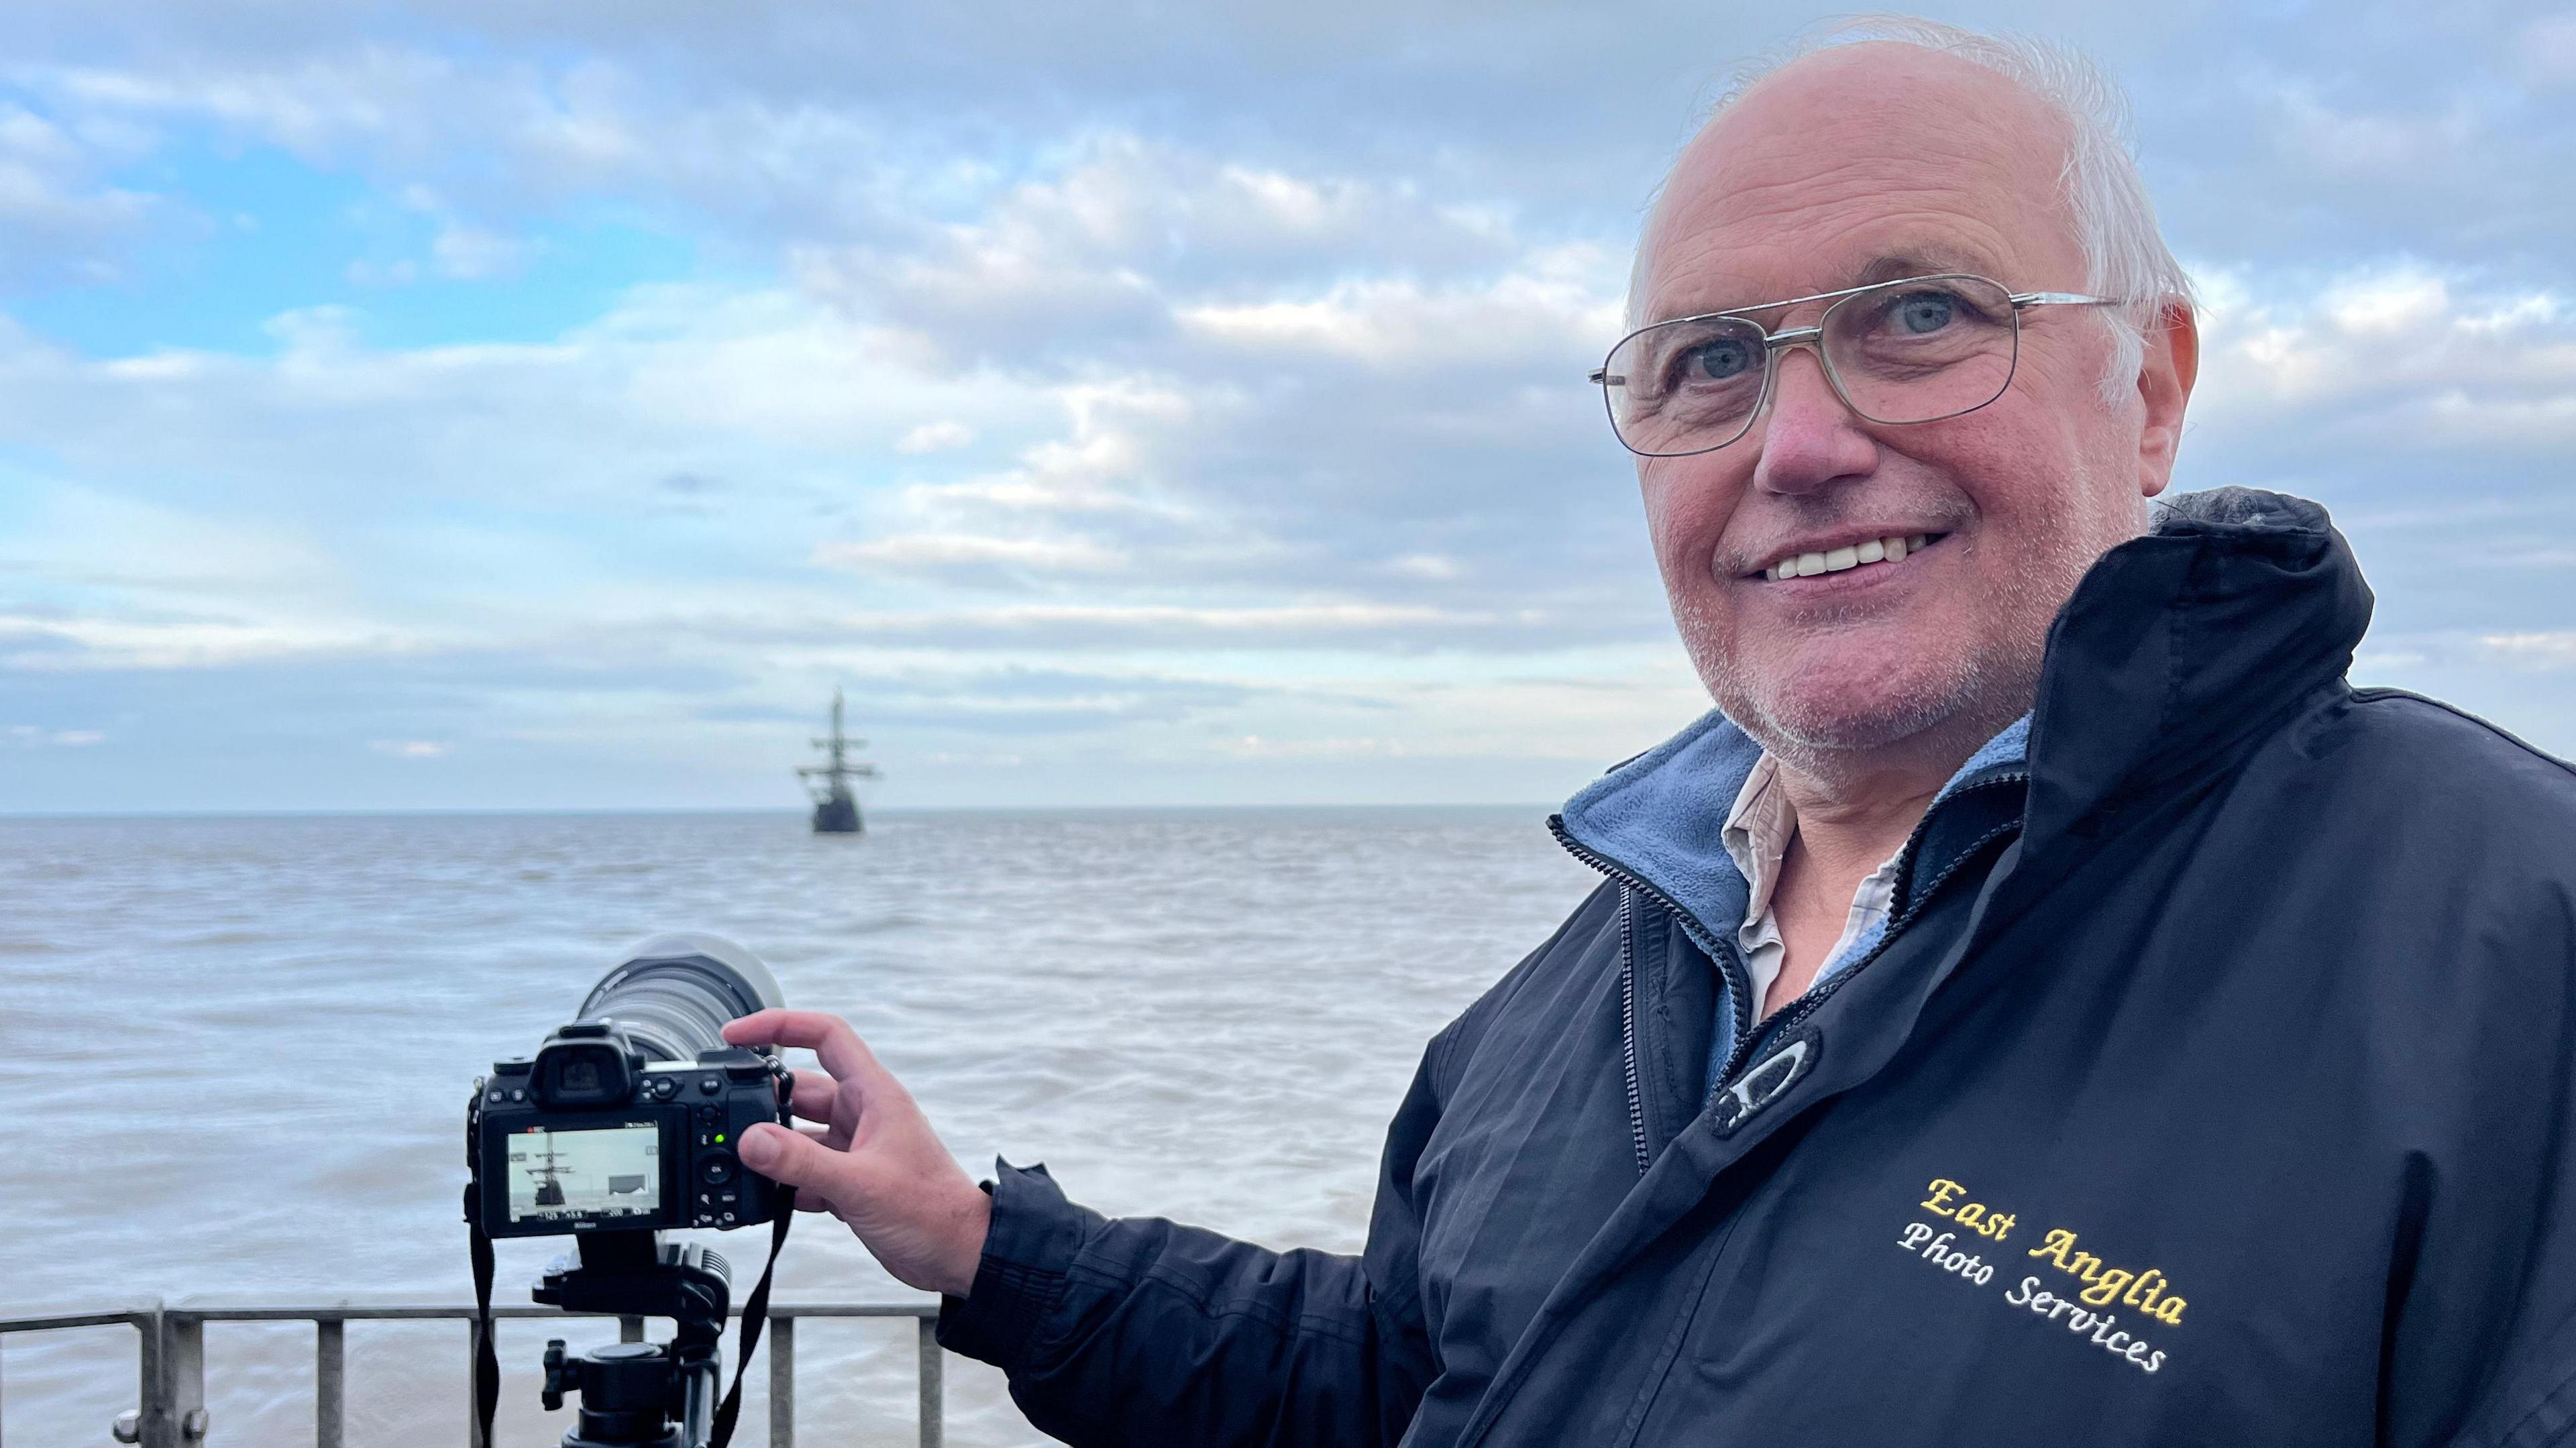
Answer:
[(593, 1134)]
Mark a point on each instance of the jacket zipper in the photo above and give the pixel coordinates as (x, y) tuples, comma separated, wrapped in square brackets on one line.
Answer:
[(1737, 984), (1628, 1027), (1918, 900)]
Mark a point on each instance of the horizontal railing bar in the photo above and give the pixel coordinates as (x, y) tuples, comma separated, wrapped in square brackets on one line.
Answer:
[(396, 1310), (440, 1312), (48, 1321)]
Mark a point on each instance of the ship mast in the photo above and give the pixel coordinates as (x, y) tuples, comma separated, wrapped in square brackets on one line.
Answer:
[(836, 810)]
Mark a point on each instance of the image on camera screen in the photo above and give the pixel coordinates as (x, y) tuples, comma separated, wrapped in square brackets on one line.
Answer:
[(587, 1172)]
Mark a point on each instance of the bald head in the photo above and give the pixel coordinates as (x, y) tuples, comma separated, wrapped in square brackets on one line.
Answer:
[(1916, 148)]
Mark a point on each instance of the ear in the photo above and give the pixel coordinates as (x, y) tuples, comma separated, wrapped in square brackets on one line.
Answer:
[(2165, 375)]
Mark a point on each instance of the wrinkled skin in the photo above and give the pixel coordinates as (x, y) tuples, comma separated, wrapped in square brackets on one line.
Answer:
[(1884, 678)]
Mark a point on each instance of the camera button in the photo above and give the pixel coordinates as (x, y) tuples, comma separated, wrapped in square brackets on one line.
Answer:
[(712, 1085), (518, 1093), (716, 1170)]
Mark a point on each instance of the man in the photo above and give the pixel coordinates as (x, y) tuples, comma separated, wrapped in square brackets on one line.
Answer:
[(2044, 1004)]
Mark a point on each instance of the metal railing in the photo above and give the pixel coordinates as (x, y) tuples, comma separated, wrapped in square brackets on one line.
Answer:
[(171, 1364)]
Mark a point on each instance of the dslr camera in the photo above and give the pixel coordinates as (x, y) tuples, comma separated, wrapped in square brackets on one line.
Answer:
[(624, 1124), (627, 1118)]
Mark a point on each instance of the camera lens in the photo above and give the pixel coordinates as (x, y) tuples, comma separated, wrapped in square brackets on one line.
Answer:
[(674, 993)]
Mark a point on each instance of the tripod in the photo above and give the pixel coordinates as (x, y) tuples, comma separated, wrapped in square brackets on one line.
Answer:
[(640, 1394)]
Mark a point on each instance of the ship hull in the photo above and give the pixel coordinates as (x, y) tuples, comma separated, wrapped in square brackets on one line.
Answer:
[(836, 815)]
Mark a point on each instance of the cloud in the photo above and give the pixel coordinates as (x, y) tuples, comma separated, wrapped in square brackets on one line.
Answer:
[(2547, 649), (2548, 49), (61, 219), (938, 436), (410, 748), (1118, 625), (941, 552), (33, 736), (2402, 356), (1224, 387)]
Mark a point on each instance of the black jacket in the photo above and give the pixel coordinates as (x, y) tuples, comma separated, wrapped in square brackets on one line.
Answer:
[(2214, 1086)]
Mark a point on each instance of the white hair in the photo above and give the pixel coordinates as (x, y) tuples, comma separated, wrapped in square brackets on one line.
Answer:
[(2125, 255)]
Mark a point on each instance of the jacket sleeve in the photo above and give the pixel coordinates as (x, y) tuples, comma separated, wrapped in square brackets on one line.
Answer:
[(1143, 1331)]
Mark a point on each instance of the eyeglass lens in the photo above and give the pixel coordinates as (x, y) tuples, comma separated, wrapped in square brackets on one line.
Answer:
[(1910, 351)]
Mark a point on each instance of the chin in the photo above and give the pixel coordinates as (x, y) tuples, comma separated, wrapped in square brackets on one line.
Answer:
[(1846, 704)]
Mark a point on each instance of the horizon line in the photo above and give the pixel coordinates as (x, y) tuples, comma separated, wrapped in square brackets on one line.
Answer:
[(901, 811)]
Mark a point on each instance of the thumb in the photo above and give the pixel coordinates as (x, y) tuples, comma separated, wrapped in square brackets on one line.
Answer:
[(792, 1158)]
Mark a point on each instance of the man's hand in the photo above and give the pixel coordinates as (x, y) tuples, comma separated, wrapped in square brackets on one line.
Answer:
[(875, 1163)]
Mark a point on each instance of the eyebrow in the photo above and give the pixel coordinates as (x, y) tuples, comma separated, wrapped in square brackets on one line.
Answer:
[(1918, 262), (1928, 259)]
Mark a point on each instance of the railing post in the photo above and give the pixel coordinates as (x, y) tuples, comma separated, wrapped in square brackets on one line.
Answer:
[(330, 1396), (473, 1364), (174, 1381), (147, 1374), (934, 1430), (782, 1382)]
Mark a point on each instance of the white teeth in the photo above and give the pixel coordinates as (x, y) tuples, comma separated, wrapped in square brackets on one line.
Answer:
[(1876, 550)]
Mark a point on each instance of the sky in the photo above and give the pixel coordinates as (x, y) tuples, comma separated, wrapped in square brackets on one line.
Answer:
[(479, 405)]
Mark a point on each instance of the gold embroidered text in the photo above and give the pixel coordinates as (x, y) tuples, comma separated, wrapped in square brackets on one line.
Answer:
[(2103, 1284)]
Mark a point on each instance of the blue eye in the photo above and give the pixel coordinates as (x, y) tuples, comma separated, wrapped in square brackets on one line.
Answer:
[(1921, 312), (1720, 360)]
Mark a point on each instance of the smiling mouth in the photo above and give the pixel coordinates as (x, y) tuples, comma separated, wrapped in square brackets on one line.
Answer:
[(1891, 549)]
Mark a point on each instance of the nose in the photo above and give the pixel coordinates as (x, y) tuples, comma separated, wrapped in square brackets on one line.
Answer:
[(1810, 439)]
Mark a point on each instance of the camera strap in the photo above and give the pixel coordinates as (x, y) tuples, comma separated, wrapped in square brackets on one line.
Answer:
[(487, 1359), (755, 1313)]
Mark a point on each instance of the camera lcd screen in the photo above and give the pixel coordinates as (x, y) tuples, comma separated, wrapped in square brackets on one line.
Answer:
[(587, 1173)]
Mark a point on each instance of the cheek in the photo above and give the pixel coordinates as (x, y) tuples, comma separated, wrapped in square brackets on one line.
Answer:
[(2014, 459), (1687, 508)]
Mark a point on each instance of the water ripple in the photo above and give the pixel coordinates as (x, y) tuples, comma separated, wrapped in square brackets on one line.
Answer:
[(248, 1042)]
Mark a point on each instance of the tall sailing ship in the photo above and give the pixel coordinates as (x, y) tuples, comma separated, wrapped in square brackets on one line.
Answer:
[(836, 810), (550, 1192)]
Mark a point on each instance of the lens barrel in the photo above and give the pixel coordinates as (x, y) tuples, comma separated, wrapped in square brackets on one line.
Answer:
[(674, 993)]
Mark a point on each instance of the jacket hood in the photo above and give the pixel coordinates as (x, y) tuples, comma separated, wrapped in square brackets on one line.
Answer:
[(2183, 643), (2176, 645)]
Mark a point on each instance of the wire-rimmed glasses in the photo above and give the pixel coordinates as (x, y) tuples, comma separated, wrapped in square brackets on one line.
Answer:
[(1916, 350)]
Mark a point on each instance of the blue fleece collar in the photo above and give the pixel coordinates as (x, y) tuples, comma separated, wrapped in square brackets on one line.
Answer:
[(1662, 818)]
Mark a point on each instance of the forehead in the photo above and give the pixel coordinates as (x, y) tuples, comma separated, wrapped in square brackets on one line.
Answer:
[(1858, 163)]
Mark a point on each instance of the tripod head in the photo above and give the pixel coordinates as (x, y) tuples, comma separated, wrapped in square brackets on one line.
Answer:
[(635, 1394)]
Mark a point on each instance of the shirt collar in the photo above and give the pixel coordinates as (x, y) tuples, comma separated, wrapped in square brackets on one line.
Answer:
[(1758, 831), (1663, 816)]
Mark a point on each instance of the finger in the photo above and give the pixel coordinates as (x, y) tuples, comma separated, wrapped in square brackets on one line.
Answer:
[(799, 1161), (753, 1029), (828, 1037), (812, 1096)]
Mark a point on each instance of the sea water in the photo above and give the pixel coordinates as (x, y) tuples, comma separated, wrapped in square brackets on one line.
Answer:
[(235, 1055)]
